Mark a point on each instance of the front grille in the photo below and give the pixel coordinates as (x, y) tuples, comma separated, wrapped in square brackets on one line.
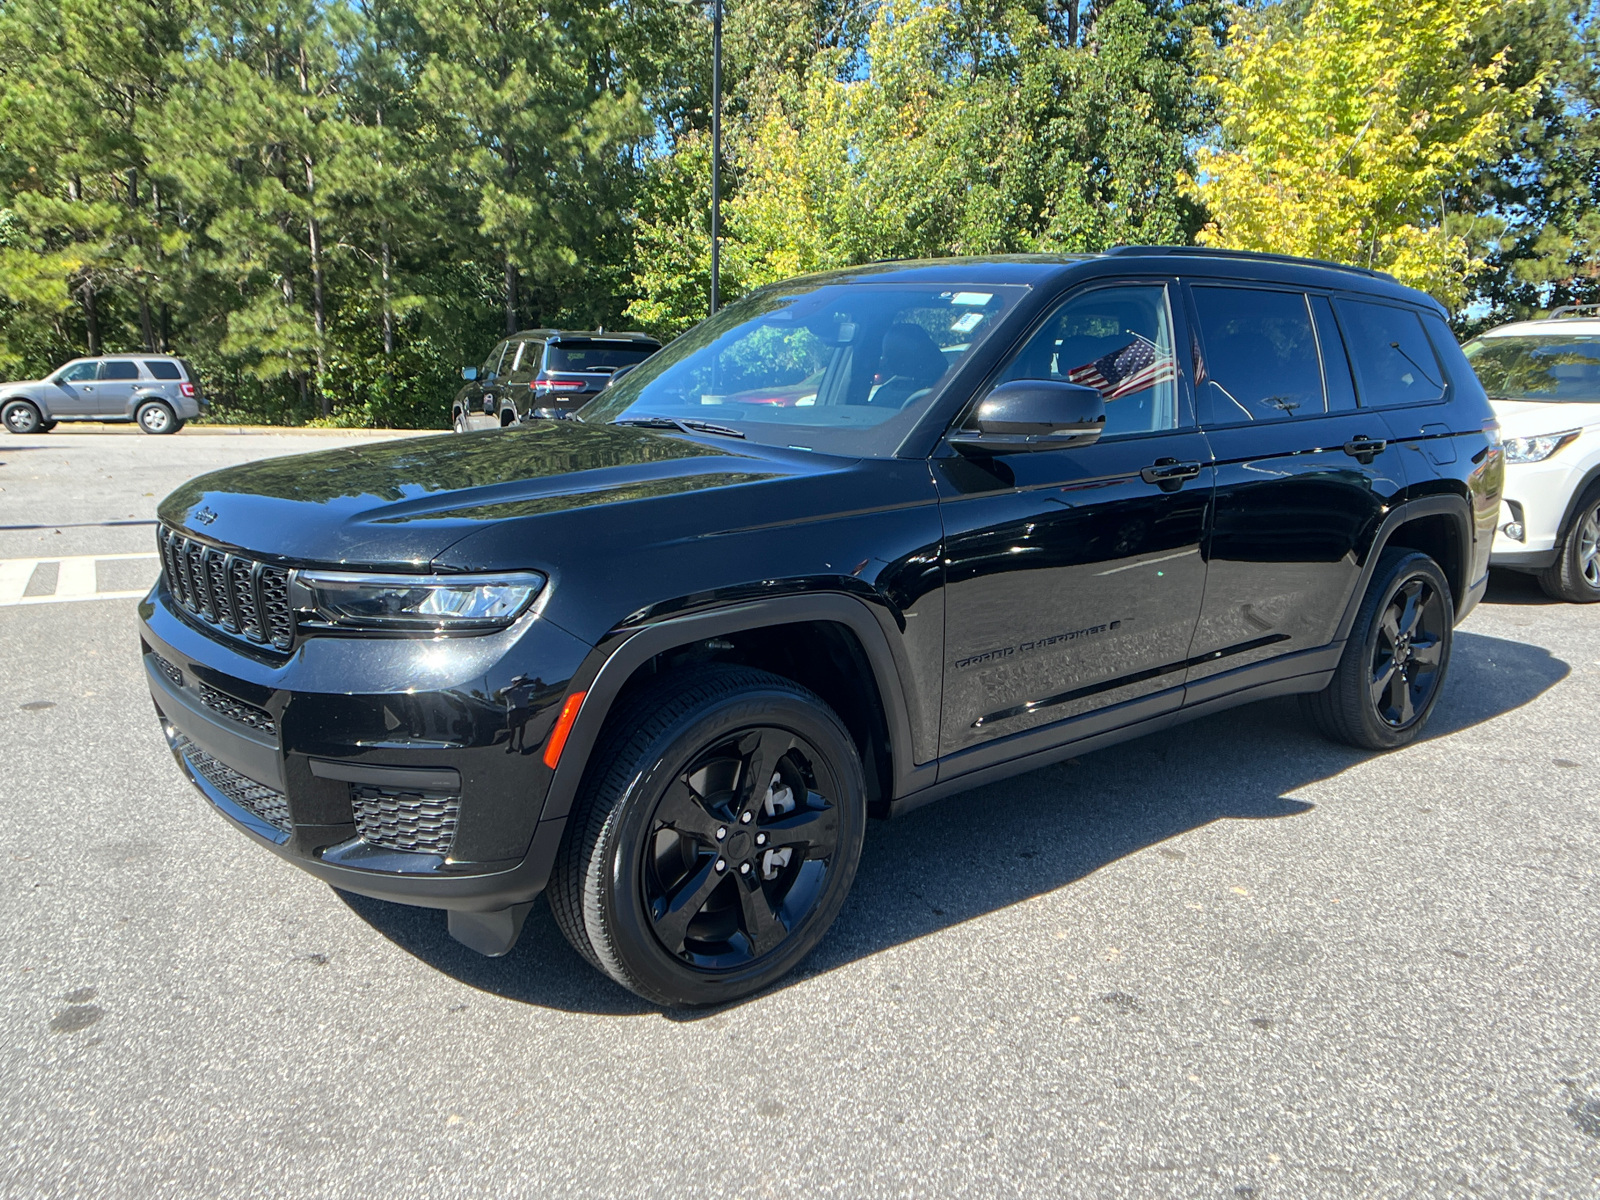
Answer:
[(267, 803), (238, 595), (420, 822), (174, 676), (237, 710)]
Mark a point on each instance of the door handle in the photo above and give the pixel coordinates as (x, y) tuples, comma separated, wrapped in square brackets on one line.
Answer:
[(1363, 449), (1169, 474)]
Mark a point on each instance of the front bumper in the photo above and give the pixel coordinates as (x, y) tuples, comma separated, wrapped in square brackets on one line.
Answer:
[(393, 768), (1534, 503)]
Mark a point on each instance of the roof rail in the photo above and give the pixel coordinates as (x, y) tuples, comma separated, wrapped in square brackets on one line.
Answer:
[(1256, 255), (1574, 308)]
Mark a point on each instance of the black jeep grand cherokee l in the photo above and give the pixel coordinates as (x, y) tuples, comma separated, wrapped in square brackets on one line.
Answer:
[(859, 541)]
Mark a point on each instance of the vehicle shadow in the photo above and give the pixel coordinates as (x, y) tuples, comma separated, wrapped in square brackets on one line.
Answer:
[(1009, 842), (1514, 587)]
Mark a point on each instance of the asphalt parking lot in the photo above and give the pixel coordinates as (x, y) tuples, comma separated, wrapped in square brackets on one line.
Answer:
[(1233, 960)]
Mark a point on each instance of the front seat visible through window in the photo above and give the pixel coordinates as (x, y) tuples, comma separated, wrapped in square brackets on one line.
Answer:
[(1074, 576), (910, 364)]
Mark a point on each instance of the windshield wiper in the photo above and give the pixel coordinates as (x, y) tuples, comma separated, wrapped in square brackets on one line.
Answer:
[(689, 426)]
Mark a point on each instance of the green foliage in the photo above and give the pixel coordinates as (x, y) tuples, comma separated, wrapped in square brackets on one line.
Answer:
[(951, 130), (329, 205)]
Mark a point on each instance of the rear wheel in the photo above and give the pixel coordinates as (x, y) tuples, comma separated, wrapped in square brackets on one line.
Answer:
[(156, 417), (1575, 575), (715, 838), (22, 417), (1393, 667)]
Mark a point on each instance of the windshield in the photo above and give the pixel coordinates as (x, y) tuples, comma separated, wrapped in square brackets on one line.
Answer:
[(834, 367), (1557, 367), (595, 356)]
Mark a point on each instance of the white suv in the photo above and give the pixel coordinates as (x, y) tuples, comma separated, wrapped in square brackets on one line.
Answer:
[(1543, 378)]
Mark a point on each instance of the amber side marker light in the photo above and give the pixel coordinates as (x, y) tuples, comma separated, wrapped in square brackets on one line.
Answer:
[(558, 735)]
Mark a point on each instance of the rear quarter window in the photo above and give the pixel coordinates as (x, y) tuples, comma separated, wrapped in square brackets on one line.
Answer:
[(162, 368), (1393, 360)]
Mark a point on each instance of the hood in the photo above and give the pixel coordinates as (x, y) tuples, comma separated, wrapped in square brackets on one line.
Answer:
[(1530, 418), (403, 503)]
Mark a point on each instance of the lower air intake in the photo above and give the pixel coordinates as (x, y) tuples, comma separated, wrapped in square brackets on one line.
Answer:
[(271, 805), (418, 822)]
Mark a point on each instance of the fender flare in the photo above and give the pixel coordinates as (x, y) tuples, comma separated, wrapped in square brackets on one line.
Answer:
[(1410, 510), (639, 646), (1589, 480)]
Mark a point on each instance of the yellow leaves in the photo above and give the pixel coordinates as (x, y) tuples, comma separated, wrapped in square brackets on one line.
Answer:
[(1341, 137)]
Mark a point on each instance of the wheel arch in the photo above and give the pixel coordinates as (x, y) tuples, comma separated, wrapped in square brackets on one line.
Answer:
[(1589, 480), (830, 643), (1438, 526)]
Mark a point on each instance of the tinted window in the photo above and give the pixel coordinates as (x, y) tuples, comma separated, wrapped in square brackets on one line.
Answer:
[(1393, 362), (1117, 341), (518, 355), (162, 368), (594, 356), (492, 363), (119, 370), (1258, 355), (79, 373), (1565, 367), (840, 368)]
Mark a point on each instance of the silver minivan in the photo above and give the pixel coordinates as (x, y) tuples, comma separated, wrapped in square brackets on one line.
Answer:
[(158, 392)]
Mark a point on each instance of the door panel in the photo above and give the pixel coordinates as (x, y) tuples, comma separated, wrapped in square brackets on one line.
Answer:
[(1074, 579), (73, 391), (1071, 583), (1295, 510), (113, 391)]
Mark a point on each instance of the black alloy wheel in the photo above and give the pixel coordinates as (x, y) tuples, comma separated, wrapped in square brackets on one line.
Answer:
[(1394, 663), (717, 842), (22, 417), (1575, 575)]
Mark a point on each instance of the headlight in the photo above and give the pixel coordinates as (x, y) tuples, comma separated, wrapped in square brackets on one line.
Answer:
[(428, 603), (1537, 449)]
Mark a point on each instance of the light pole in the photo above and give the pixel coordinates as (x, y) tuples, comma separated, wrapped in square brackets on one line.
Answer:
[(716, 149)]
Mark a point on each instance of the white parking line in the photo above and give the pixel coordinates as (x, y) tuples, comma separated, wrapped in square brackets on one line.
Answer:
[(75, 579)]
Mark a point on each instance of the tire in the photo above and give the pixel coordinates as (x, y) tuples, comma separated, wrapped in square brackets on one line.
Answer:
[(1575, 575), (22, 417), (47, 426), (157, 418), (1379, 698), (646, 887)]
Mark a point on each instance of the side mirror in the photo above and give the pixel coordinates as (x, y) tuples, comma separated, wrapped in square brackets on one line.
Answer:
[(1032, 414), (469, 373)]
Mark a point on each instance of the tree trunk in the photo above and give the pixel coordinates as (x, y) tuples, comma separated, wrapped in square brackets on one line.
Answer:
[(388, 311), (146, 327), (511, 297), (318, 311), (91, 317), (166, 328), (1072, 22)]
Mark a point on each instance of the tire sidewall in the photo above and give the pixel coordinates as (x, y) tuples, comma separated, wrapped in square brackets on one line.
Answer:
[(1396, 573), (626, 927), (36, 424), (169, 426), (1578, 589)]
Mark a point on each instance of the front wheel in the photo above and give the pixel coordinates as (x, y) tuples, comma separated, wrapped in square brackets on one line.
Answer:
[(1393, 667), (21, 417), (715, 838), (1575, 575), (158, 418)]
